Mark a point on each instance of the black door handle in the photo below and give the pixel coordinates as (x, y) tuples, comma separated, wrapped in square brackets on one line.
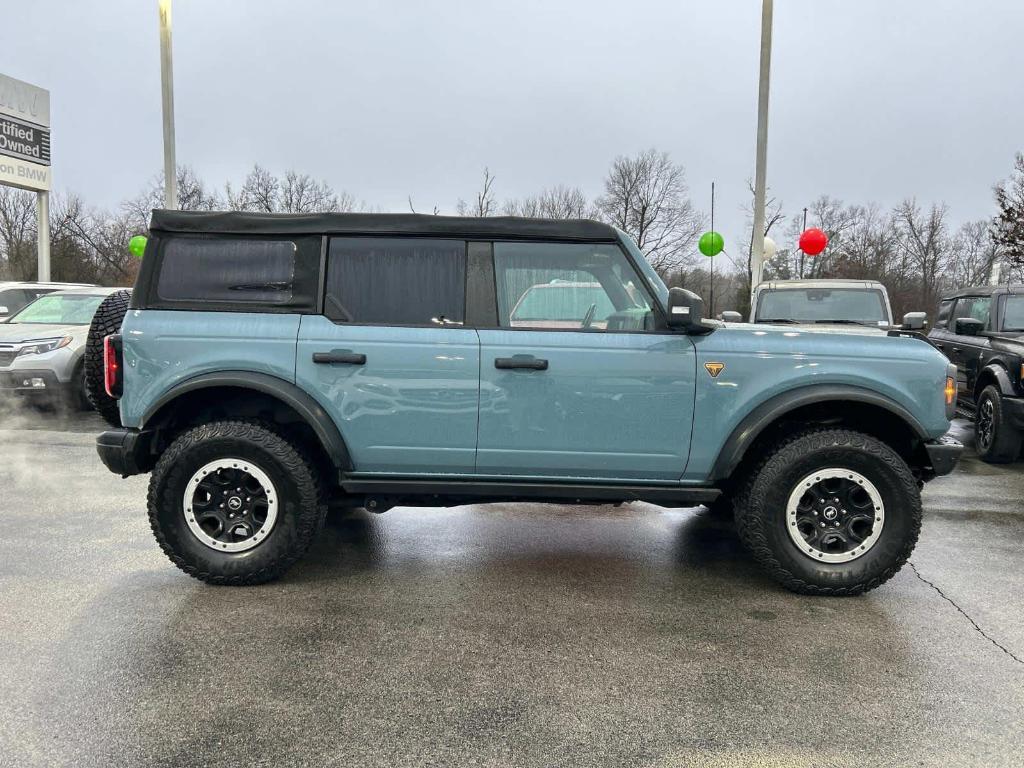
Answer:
[(346, 358), (521, 361)]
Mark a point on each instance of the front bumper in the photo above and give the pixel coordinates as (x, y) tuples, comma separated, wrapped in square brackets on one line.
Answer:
[(943, 454), (32, 382), (126, 451)]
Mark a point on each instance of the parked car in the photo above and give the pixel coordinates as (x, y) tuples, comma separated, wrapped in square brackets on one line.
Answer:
[(271, 363), (15, 295), (859, 306), (42, 345), (981, 330)]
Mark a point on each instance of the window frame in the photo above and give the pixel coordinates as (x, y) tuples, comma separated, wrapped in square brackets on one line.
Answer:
[(325, 262), (146, 294)]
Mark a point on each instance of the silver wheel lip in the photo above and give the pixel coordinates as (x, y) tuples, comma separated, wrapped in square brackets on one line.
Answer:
[(230, 463), (827, 474)]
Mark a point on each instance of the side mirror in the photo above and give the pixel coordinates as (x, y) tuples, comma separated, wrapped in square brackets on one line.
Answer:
[(914, 321), (685, 310), (731, 316), (4, 311), (968, 326)]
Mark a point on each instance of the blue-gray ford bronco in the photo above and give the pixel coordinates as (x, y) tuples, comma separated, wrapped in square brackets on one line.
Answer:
[(269, 366)]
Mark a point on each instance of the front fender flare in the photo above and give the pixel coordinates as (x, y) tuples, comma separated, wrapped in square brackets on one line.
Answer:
[(309, 409), (755, 422), (1002, 379)]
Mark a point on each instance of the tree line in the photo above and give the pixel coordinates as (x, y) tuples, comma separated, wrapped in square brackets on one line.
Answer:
[(913, 249)]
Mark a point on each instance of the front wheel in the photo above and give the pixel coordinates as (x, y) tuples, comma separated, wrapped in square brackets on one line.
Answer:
[(997, 441), (830, 512), (235, 503)]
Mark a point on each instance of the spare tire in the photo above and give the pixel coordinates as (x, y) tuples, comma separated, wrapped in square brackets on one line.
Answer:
[(106, 321)]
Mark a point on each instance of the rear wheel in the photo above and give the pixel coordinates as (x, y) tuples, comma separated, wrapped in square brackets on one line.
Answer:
[(105, 322), (997, 442), (830, 512), (234, 503)]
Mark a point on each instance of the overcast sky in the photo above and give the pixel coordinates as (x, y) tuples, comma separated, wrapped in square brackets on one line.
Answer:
[(872, 100)]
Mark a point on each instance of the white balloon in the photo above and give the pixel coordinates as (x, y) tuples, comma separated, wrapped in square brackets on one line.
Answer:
[(769, 248)]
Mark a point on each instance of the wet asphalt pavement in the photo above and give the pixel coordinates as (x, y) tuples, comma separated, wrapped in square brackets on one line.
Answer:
[(497, 635)]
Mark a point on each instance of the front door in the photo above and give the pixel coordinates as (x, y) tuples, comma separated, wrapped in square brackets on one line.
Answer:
[(575, 382), (389, 358)]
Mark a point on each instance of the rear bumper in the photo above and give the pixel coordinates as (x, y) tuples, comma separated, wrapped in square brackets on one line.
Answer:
[(943, 454), (126, 451)]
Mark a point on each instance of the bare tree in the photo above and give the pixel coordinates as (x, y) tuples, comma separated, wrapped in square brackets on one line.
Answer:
[(193, 195), (924, 236), (647, 197), (559, 202), (485, 203), (263, 192)]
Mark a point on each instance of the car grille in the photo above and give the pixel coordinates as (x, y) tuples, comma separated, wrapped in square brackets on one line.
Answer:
[(7, 357)]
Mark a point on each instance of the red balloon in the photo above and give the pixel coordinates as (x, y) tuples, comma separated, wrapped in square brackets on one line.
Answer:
[(813, 241)]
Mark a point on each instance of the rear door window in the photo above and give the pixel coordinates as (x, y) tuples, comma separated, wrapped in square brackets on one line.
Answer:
[(396, 281)]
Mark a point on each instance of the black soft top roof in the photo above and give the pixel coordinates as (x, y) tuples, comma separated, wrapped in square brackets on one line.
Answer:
[(493, 227)]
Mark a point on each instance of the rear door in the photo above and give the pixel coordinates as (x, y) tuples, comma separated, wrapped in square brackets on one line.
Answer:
[(390, 358), (575, 382)]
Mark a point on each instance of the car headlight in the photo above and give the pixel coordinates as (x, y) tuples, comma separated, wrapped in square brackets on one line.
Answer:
[(39, 346)]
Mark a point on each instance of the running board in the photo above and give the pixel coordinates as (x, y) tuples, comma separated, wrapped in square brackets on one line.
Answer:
[(403, 490)]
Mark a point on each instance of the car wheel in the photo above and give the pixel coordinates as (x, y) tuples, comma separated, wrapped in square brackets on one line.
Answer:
[(997, 442), (234, 502), (830, 512), (76, 398), (106, 321)]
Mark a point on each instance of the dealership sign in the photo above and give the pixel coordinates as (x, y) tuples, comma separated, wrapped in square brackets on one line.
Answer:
[(24, 135)]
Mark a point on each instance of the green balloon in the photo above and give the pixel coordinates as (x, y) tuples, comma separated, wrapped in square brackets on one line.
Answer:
[(711, 243), (137, 246)]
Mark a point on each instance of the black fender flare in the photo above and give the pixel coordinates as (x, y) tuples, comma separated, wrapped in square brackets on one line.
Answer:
[(301, 402), (1001, 376), (755, 422)]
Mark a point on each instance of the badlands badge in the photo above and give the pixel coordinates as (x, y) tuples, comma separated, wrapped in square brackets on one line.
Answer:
[(714, 369)]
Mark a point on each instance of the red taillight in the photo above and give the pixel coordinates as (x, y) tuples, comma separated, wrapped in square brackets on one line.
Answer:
[(111, 367)]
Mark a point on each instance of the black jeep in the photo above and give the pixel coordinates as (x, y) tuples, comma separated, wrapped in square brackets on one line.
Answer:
[(982, 331)]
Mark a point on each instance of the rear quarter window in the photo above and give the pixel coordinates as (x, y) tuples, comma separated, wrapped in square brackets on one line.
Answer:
[(236, 273)]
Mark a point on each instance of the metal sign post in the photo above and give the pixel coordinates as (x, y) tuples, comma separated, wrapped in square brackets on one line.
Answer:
[(25, 153), (167, 92), (761, 159)]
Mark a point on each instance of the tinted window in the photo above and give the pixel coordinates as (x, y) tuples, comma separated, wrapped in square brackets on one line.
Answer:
[(14, 299), (568, 286), (973, 306), (1013, 313), (227, 271), (401, 281), (945, 310)]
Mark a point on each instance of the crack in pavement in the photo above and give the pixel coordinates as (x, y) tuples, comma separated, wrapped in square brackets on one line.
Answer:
[(974, 624)]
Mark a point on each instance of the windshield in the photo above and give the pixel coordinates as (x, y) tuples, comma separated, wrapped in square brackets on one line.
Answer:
[(1013, 313), (57, 309), (822, 305)]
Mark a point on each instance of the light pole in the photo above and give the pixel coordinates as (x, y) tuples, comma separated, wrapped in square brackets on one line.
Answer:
[(167, 91), (761, 158)]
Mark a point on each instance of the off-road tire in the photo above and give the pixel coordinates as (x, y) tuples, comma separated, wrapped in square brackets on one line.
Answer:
[(302, 502), (1004, 446), (106, 321), (761, 511)]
